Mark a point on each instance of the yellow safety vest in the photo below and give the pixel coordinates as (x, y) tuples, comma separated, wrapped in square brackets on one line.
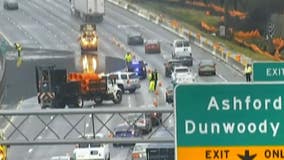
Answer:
[(128, 57), (18, 46), (248, 70)]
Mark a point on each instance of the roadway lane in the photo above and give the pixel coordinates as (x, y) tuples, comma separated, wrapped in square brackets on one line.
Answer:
[(28, 67), (151, 31)]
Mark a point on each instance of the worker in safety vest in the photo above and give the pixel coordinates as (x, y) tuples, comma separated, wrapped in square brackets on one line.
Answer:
[(128, 59), (18, 47), (153, 79), (248, 72)]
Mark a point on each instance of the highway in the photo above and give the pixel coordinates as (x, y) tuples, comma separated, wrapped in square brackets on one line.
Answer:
[(47, 24)]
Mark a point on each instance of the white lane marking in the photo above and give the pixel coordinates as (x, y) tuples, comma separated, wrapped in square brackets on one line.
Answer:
[(220, 76), (39, 137), (51, 117), (30, 150), (87, 125), (129, 102), (128, 26), (90, 115), (5, 37)]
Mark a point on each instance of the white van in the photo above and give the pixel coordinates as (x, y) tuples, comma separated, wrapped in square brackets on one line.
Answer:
[(182, 48), (92, 151)]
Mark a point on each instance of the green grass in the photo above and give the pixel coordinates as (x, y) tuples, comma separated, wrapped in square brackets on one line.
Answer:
[(191, 19)]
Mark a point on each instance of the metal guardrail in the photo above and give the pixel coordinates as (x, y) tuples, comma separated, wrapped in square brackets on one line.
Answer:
[(47, 120), (233, 59)]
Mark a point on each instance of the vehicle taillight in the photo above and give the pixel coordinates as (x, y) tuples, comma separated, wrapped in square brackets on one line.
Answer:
[(143, 121), (136, 155)]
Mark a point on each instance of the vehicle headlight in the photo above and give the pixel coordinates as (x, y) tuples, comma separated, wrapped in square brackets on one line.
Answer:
[(94, 41), (84, 41)]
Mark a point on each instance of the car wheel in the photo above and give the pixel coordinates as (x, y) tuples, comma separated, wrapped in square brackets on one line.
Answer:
[(80, 102), (121, 88), (98, 99), (119, 97)]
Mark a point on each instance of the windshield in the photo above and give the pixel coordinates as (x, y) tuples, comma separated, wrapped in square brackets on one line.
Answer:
[(179, 44), (133, 76), (181, 70), (186, 43)]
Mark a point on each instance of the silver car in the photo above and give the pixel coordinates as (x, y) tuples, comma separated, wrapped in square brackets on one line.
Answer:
[(11, 4), (207, 67)]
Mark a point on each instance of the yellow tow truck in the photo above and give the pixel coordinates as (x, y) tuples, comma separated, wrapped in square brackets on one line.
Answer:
[(88, 38)]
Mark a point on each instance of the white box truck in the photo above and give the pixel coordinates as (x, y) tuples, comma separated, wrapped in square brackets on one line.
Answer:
[(88, 10)]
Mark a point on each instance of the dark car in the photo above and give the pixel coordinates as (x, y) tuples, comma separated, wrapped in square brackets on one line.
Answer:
[(185, 60), (169, 66), (152, 46), (207, 67), (135, 39), (138, 67), (125, 130), (11, 4), (170, 94), (156, 118)]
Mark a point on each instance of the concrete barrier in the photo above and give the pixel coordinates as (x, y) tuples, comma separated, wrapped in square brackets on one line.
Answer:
[(225, 55)]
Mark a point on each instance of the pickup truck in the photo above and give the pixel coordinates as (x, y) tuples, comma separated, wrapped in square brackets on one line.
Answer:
[(182, 74)]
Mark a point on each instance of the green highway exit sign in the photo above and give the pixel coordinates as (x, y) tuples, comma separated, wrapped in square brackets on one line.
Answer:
[(268, 71), (236, 118)]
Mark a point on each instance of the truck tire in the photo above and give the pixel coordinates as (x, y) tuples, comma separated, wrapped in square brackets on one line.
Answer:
[(108, 158), (80, 102), (119, 98), (98, 99), (100, 19)]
